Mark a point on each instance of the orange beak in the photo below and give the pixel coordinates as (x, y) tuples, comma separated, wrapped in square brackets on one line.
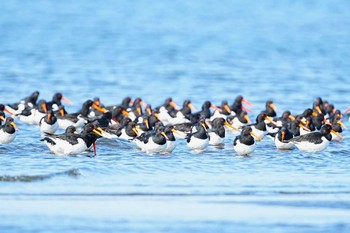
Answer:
[(172, 104), (149, 111), (230, 126), (49, 116), (253, 134), (44, 107), (125, 113), (291, 117), (305, 128), (147, 123), (98, 132), (135, 131), (227, 108), (103, 110), (247, 102), (272, 121), (67, 101), (62, 112), (156, 115), (14, 125), (143, 104), (327, 121), (318, 109), (246, 117), (336, 133), (6, 110), (192, 107), (216, 108), (246, 109), (2, 118), (342, 124), (176, 131), (273, 107), (165, 135), (138, 110)]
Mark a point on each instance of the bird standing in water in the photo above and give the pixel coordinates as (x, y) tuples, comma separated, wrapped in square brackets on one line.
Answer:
[(7, 131), (244, 144)]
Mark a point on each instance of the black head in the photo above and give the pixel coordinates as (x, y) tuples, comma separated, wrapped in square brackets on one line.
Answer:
[(186, 103), (9, 120), (246, 130), (88, 128), (70, 129), (57, 96), (126, 101), (41, 102), (168, 100), (207, 104), (319, 101), (107, 115), (168, 128), (97, 101), (307, 112), (138, 100), (326, 129), (330, 108), (89, 102), (286, 113), (35, 94), (224, 102), (239, 98), (268, 103), (160, 129), (261, 117)]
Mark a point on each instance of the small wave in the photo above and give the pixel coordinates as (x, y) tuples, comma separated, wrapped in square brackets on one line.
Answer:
[(34, 178)]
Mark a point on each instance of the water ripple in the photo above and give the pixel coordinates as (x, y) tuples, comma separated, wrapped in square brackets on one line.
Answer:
[(33, 178)]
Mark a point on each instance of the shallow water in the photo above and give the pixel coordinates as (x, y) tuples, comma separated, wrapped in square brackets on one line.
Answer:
[(287, 51)]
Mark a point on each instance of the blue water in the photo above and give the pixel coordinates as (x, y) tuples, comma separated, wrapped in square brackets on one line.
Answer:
[(287, 51)]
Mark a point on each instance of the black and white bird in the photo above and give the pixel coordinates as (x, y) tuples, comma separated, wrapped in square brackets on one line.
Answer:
[(153, 143), (260, 128), (239, 120), (314, 141), (26, 103), (270, 109), (281, 136), (200, 139), (7, 131), (170, 138), (244, 144), (80, 118), (217, 131), (129, 131), (337, 126), (71, 143), (48, 124)]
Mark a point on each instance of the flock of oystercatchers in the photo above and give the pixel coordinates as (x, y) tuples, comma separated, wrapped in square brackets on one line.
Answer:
[(156, 130)]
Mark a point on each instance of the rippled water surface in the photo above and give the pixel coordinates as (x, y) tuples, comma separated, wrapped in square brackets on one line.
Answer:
[(287, 51)]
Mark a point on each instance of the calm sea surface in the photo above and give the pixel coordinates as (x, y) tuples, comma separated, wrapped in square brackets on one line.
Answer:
[(287, 51)]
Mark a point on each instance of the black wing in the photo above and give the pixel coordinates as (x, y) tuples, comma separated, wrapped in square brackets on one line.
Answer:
[(315, 137)]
